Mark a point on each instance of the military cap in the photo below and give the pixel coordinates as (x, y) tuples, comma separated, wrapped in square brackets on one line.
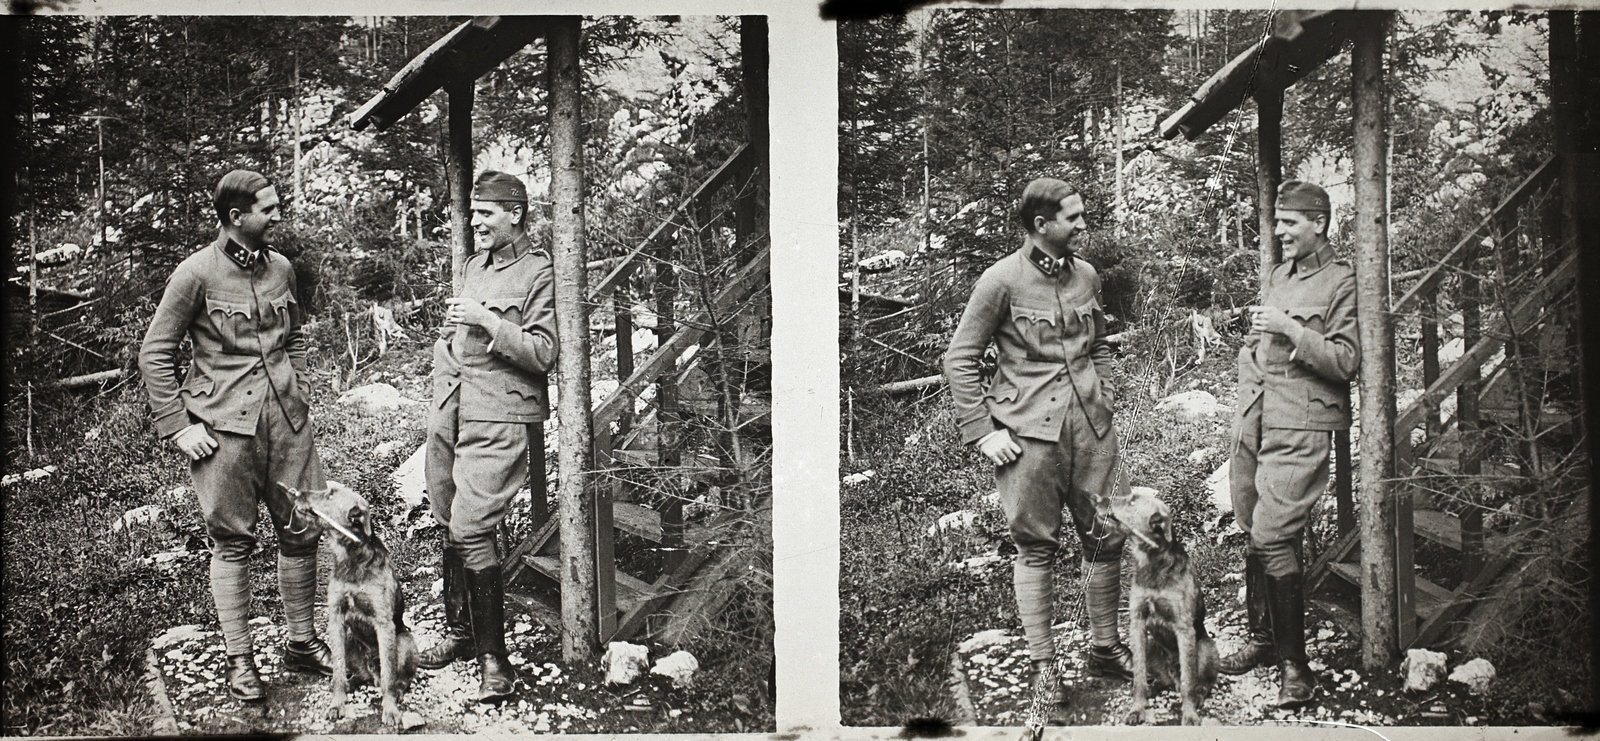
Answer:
[(1299, 195), (493, 185)]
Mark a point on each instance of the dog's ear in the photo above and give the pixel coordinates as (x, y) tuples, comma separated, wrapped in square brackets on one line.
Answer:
[(1161, 528)]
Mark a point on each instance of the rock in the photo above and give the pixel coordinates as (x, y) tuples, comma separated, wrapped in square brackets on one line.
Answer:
[(624, 662), (386, 449), (856, 479), (958, 521), (410, 720), (1422, 669), (983, 639), (149, 517), (1220, 487), (179, 634), (410, 479), (679, 666), (1200, 455), (374, 398), (33, 475), (1191, 405), (1475, 674)]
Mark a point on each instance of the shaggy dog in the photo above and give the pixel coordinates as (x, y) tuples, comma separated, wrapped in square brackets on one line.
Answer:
[(367, 630), (1167, 630)]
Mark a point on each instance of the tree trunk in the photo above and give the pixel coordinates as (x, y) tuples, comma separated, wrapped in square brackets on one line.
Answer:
[(579, 570), (1269, 172), (1378, 512), (459, 171)]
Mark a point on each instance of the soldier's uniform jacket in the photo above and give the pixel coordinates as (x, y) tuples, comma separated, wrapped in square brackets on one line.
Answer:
[(239, 311), (1305, 386), (1045, 318), (503, 375)]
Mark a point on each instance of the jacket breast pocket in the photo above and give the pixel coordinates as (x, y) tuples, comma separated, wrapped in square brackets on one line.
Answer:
[(281, 305), (229, 315), (508, 308), (1040, 328), (1313, 318)]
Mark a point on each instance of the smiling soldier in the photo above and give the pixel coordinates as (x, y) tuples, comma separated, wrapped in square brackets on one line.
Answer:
[(1045, 423), (240, 417), (490, 371), (1294, 388)]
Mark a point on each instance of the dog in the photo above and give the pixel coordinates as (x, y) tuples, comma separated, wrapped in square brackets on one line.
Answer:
[(367, 630), (1166, 609)]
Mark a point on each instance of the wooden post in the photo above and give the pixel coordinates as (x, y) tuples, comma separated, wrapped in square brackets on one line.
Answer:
[(460, 173), (1379, 574), (1269, 173), (580, 573), (1430, 351), (1573, 92), (538, 487), (1117, 101)]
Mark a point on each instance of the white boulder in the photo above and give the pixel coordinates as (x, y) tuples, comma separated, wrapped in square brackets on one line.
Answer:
[(856, 479), (625, 662), (146, 517), (678, 666), (1475, 674), (1221, 489), (410, 479), (983, 639), (1423, 669), (959, 521), (1191, 405)]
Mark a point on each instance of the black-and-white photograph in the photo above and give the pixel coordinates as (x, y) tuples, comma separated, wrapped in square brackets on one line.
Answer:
[(388, 374), (1212, 367)]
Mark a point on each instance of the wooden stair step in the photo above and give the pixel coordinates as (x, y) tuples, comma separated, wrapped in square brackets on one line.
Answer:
[(1431, 598), (631, 590), (637, 519), (1440, 527), (643, 458)]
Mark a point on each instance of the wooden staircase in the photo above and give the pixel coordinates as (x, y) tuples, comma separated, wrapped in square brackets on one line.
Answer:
[(1434, 454), (626, 601)]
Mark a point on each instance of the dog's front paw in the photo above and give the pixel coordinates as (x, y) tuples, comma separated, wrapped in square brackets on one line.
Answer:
[(1191, 717), (391, 717), (336, 712)]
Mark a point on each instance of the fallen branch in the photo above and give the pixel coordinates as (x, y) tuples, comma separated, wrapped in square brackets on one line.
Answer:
[(900, 387), (91, 379)]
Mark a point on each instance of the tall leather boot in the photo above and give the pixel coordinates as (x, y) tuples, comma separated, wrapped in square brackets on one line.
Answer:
[(457, 641), (1288, 612), (1259, 651), (487, 606)]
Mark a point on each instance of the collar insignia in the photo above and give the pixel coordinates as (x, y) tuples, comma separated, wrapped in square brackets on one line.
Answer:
[(243, 257), (1049, 265)]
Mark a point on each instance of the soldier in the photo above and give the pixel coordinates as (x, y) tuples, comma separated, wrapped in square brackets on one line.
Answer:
[(1294, 388), (240, 416), (489, 382), (1045, 422)]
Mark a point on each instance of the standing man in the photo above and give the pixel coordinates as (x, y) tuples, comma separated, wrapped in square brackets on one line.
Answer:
[(1045, 422), (240, 416), (1294, 389), (497, 346)]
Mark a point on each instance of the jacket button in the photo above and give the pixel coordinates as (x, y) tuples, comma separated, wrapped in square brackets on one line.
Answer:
[(248, 393)]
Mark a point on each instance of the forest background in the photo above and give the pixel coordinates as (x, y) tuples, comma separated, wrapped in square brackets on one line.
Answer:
[(123, 128), (944, 115)]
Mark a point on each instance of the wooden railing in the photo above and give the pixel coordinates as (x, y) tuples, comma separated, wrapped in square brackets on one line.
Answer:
[(1477, 283)]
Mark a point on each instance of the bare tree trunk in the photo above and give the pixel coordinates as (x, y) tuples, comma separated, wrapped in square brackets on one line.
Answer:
[(1378, 513), (1269, 173), (459, 171), (579, 570), (1118, 104), (298, 177)]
